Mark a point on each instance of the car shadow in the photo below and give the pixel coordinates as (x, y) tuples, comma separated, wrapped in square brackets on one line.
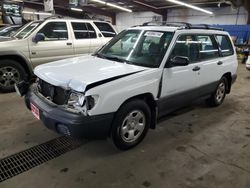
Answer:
[(183, 110), (248, 77)]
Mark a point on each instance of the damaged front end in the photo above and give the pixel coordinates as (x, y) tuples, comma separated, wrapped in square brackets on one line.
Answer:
[(22, 87), (65, 110), (66, 99)]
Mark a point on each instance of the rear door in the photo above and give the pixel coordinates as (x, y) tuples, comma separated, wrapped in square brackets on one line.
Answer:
[(228, 55), (82, 38), (96, 38), (211, 66), (57, 44)]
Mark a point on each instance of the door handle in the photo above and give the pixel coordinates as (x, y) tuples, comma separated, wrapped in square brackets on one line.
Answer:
[(196, 68), (219, 63), (69, 43)]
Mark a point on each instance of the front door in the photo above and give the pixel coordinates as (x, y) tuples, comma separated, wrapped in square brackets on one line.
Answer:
[(57, 44), (180, 84)]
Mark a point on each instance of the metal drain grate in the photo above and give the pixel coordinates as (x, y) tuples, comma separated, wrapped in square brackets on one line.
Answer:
[(30, 158)]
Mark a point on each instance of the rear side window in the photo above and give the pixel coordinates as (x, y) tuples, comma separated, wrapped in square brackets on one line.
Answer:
[(105, 29), (208, 48), (195, 47), (92, 33), (55, 31), (83, 30), (225, 45)]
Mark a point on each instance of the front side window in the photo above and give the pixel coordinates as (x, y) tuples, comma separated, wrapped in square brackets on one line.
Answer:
[(195, 47), (142, 48), (105, 29), (55, 31), (225, 45)]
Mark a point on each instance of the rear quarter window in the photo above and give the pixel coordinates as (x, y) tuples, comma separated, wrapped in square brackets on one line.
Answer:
[(225, 45), (106, 29)]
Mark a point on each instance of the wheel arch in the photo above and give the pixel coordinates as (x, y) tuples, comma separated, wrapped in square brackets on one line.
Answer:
[(149, 99), (20, 59)]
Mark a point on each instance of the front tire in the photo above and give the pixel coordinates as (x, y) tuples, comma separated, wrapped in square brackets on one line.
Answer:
[(218, 96), (131, 124), (11, 72)]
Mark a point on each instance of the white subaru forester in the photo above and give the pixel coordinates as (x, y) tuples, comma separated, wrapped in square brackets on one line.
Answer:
[(140, 75)]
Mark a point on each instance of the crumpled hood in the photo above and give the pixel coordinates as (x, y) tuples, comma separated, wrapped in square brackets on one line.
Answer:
[(78, 73)]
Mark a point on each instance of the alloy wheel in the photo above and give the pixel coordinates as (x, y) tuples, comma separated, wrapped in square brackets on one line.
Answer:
[(220, 92), (9, 76), (133, 125)]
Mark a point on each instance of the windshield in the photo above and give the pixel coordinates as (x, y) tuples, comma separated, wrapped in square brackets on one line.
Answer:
[(26, 30), (137, 47), (7, 31)]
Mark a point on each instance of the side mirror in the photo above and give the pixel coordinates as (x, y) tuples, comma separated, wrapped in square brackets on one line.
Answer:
[(38, 37), (179, 61)]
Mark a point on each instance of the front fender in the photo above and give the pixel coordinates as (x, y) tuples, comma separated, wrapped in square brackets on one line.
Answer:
[(18, 56), (113, 94)]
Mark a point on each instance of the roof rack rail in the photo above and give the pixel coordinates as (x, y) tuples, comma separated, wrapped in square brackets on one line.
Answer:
[(174, 24), (54, 17), (205, 26), (182, 25)]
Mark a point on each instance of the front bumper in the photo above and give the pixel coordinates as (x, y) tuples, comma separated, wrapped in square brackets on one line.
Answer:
[(68, 123)]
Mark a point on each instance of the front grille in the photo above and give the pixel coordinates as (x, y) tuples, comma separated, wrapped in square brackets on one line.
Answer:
[(55, 94), (37, 155)]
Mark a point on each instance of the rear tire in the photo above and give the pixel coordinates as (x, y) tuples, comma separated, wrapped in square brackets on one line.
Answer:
[(11, 72), (218, 96), (131, 124)]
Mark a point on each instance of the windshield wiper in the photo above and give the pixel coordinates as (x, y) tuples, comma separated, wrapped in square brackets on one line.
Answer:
[(113, 58), (100, 55)]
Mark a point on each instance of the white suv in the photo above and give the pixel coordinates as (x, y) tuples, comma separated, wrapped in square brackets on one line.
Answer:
[(49, 40), (248, 62), (120, 92)]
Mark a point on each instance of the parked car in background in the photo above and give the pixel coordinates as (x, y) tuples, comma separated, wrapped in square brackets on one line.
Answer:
[(120, 91), (49, 40), (248, 62), (8, 31)]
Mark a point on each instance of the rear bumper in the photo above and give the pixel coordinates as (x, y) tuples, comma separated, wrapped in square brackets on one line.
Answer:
[(69, 123), (248, 67)]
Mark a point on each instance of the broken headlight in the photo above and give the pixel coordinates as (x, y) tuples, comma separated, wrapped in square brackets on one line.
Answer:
[(76, 100), (91, 101)]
